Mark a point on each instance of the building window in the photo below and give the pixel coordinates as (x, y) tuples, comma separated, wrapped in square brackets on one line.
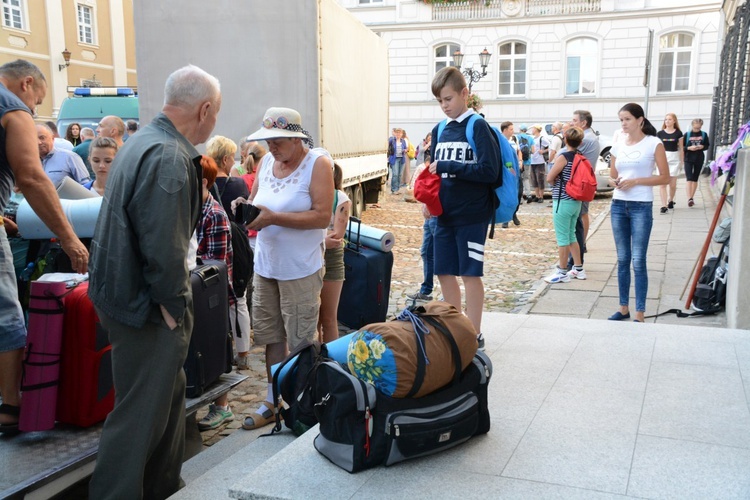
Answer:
[(13, 14), (581, 66), (511, 61), (675, 50), (86, 24), (444, 55)]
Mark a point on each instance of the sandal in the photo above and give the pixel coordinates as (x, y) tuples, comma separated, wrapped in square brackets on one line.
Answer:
[(12, 411), (256, 421)]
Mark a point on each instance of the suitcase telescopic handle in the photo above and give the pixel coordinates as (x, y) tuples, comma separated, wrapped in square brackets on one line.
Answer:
[(359, 229)]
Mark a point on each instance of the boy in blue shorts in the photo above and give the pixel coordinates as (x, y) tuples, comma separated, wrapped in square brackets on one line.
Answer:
[(466, 195)]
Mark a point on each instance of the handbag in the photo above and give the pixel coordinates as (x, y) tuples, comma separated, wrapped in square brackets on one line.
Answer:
[(410, 152), (427, 191)]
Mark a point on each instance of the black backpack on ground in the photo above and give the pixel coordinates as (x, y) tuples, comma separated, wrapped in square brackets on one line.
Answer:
[(711, 292), (296, 387)]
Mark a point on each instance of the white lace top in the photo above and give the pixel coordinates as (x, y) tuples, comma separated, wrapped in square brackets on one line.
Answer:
[(283, 253)]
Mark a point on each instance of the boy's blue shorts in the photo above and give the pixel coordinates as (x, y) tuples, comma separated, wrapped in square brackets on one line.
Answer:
[(459, 250)]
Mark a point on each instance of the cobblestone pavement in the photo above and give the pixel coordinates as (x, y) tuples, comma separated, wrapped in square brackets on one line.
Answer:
[(515, 261)]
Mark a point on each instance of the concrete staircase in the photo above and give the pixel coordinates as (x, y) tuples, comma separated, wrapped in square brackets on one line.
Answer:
[(580, 408)]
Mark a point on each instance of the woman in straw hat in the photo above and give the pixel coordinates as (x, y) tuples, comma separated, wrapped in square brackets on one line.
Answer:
[(294, 191)]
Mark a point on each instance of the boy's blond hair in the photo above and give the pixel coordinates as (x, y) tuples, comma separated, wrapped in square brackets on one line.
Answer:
[(448, 77)]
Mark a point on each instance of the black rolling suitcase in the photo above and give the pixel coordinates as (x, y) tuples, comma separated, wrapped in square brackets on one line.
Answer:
[(210, 351), (367, 285)]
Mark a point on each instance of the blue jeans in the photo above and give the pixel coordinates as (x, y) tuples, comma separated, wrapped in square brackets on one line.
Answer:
[(428, 255), (397, 170), (631, 226)]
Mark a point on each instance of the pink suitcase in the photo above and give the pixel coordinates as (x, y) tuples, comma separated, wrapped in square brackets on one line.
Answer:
[(41, 364)]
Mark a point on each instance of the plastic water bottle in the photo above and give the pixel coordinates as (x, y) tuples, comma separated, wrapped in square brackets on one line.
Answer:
[(26, 273)]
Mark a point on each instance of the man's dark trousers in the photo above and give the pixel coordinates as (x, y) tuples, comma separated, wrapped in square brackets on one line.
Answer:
[(143, 441)]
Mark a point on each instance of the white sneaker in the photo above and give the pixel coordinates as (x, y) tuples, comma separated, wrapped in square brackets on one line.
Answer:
[(574, 273), (559, 276)]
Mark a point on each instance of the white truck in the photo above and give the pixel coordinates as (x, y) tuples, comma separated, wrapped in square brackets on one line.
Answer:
[(311, 55)]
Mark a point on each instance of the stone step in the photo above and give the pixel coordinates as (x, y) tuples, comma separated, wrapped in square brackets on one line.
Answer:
[(211, 473)]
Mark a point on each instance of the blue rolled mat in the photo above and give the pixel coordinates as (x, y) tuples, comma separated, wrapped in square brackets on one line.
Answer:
[(371, 237), (336, 351)]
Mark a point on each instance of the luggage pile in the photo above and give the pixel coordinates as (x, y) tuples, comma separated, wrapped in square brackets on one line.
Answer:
[(401, 390), (67, 369)]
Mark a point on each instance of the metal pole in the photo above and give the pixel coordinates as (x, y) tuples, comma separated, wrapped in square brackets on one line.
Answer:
[(647, 74)]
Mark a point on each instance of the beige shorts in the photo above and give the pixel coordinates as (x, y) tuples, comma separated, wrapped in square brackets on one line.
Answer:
[(286, 311)]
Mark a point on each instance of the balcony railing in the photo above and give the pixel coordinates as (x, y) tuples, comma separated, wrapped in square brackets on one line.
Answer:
[(493, 9), (561, 7), (454, 11)]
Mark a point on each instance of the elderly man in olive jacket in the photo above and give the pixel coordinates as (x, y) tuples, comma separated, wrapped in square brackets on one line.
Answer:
[(140, 288)]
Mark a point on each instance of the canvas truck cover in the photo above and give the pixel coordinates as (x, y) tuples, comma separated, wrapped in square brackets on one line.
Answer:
[(311, 55)]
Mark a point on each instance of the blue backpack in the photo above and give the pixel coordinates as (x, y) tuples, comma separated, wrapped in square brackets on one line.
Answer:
[(507, 185)]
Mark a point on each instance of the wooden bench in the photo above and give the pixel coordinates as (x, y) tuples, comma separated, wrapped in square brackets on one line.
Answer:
[(42, 464)]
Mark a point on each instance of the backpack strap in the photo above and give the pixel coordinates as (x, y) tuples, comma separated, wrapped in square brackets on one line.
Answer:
[(441, 127), (335, 200), (439, 326)]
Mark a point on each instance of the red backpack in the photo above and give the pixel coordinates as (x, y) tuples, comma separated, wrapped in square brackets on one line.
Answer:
[(582, 183)]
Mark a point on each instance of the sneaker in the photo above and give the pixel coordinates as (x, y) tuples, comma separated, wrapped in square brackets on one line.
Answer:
[(419, 296), (530, 199), (480, 341), (578, 274), (216, 416), (664, 210), (559, 276), (516, 221), (505, 225), (670, 205), (691, 202), (540, 200)]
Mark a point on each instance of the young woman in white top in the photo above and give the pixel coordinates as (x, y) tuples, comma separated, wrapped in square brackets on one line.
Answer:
[(632, 217)]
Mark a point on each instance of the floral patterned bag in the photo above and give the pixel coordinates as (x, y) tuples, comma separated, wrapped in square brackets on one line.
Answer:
[(420, 352)]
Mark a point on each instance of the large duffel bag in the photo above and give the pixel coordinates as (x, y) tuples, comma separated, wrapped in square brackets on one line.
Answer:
[(360, 427), (420, 352)]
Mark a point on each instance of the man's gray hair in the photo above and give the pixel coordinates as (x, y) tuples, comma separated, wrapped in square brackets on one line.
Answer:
[(190, 86), (558, 125), (19, 69), (88, 132)]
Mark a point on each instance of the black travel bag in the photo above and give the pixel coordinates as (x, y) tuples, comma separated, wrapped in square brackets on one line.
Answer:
[(361, 427), (367, 284), (210, 350), (711, 290)]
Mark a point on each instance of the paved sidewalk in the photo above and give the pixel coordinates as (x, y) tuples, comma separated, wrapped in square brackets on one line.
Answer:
[(676, 242)]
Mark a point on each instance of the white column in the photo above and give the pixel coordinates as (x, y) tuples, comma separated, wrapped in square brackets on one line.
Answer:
[(738, 292), (58, 80), (117, 31)]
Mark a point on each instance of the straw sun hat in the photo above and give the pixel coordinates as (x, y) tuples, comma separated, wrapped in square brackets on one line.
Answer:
[(279, 123)]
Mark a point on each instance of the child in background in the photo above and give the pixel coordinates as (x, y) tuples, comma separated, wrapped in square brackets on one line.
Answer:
[(427, 251), (565, 211), (101, 155), (466, 195), (333, 280)]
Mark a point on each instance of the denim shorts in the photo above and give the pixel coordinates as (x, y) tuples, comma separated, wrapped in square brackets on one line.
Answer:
[(12, 325), (459, 250)]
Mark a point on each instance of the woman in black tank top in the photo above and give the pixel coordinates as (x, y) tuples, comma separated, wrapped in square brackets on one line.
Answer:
[(671, 136)]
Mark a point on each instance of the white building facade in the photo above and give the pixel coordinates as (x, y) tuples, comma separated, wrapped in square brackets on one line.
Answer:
[(551, 57)]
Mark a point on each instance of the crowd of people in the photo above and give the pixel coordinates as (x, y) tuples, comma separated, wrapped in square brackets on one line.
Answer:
[(546, 159), (179, 204)]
